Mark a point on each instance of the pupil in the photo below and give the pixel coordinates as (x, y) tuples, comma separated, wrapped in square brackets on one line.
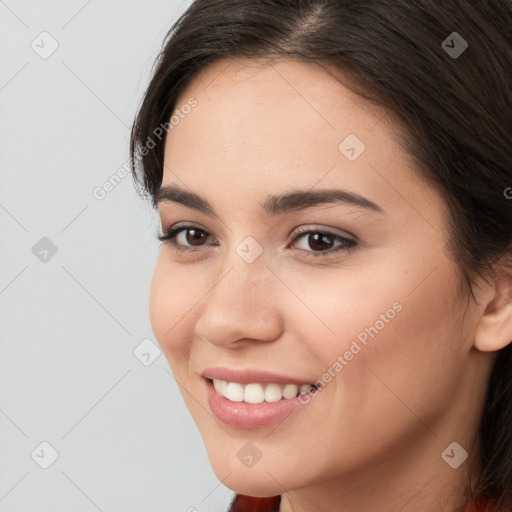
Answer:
[(196, 238), (317, 239)]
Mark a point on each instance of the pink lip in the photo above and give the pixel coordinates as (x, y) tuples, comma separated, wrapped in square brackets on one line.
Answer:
[(250, 416), (249, 376)]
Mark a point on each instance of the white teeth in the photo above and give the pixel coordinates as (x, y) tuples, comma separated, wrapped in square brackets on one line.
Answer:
[(258, 393), (254, 394), (290, 391), (273, 393), (235, 392), (304, 388), (220, 386)]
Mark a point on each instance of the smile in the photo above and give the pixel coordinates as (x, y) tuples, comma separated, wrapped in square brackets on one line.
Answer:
[(245, 406), (255, 393)]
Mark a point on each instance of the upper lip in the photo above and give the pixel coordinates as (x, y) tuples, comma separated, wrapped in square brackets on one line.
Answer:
[(250, 375)]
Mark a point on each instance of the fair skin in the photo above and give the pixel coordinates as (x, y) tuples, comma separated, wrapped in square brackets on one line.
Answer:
[(372, 439)]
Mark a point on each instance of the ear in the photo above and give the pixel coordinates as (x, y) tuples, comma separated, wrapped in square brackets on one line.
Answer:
[(494, 329)]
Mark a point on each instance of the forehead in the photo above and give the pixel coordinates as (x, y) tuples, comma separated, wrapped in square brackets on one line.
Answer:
[(262, 126), (283, 99), (257, 108)]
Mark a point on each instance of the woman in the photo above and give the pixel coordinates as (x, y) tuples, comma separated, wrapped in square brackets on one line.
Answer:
[(334, 288)]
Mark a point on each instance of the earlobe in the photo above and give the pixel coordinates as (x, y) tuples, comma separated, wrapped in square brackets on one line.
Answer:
[(494, 330)]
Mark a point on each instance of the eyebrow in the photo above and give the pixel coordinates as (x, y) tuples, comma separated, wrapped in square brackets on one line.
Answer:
[(274, 204)]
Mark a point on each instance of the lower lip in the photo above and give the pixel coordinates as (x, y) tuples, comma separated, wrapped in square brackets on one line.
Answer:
[(245, 415)]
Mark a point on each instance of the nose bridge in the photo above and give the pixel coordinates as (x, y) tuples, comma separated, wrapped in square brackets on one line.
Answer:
[(245, 272), (237, 306)]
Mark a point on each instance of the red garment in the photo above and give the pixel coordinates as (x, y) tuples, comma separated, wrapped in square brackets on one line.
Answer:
[(242, 503)]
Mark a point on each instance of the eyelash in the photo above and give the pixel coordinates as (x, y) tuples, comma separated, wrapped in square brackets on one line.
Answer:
[(347, 245)]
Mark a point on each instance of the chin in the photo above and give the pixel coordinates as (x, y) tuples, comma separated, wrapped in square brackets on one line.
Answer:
[(249, 487), (255, 481)]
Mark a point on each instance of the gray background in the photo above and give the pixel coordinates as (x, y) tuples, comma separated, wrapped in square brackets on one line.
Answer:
[(70, 321)]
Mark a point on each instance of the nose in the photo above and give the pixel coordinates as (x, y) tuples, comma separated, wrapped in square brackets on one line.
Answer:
[(242, 307)]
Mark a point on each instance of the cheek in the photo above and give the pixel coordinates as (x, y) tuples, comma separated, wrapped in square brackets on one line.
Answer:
[(385, 341), (171, 302)]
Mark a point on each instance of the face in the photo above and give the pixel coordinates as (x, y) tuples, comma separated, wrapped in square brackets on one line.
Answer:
[(315, 253)]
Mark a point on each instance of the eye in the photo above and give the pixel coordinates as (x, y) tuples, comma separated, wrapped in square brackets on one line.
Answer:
[(184, 237), (322, 242), (315, 242)]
